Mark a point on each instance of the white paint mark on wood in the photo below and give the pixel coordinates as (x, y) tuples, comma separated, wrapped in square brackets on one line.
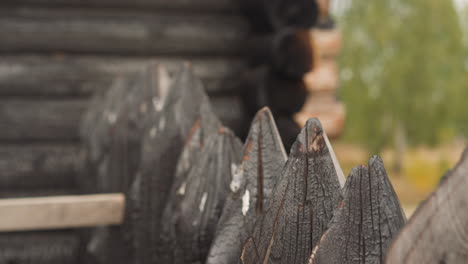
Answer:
[(153, 132), (203, 202), (245, 202), (237, 173), (181, 190), (162, 123)]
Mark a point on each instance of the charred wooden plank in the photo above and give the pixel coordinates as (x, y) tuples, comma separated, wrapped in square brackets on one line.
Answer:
[(119, 32), (176, 5), (251, 189), (53, 247), (366, 221), (206, 188), (437, 231), (162, 147), (38, 166), (303, 203), (58, 120), (66, 76)]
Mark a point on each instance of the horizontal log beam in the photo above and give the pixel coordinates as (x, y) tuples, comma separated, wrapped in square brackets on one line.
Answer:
[(59, 120), (199, 5), (119, 32), (40, 247), (61, 212), (33, 167), (83, 75)]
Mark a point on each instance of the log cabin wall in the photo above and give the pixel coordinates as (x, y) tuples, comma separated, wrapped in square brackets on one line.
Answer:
[(54, 54)]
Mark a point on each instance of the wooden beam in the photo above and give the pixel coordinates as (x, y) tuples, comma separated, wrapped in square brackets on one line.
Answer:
[(61, 212), (59, 120), (120, 32), (177, 5), (35, 75)]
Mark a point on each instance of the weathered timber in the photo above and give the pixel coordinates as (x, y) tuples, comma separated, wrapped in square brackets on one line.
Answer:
[(251, 189), (112, 129), (38, 166), (52, 247), (303, 203), (119, 32), (366, 220), (271, 15), (162, 147), (199, 136), (173, 5), (67, 76), (206, 188), (61, 212), (438, 230), (58, 120)]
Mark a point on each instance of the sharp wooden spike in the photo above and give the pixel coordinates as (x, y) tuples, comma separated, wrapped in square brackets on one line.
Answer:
[(251, 188), (303, 203), (365, 221)]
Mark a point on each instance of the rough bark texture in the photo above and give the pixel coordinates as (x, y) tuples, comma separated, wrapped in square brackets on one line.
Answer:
[(251, 189), (303, 203), (366, 220), (207, 185), (119, 32), (438, 230)]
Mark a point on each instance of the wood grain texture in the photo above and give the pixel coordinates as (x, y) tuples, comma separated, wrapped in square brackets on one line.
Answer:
[(304, 199), (366, 220), (201, 132), (251, 189), (162, 147), (438, 230), (173, 5), (120, 32), (58, 120), (207, 186), (60, 212), (38, 166), (52, 247), (67, 76)]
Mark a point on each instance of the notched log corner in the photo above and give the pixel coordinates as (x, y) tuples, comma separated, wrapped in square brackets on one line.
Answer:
[(438, 230), (303, 203), (366, 220), (251, 189)]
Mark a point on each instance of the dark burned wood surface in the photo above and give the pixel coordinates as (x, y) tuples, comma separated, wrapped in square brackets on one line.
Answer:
[(438, 230), (56, 247), (162, 147), (58, 120), (304, 199), (120, 32), (199, 208), (251, 189), (73, 76), (366, 220)]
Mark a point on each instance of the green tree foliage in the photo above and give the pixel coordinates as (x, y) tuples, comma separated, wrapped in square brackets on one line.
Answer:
[(403, 72)]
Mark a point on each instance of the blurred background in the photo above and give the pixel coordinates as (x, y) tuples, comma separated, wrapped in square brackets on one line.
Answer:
[(403, 72)]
